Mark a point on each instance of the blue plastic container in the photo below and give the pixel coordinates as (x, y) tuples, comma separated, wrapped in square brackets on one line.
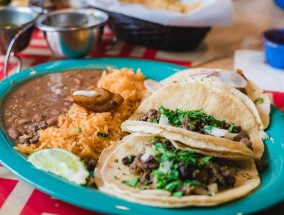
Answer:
[(274, 47), (279, 3)]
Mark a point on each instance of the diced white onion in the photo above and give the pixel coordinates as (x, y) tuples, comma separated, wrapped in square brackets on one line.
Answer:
[(152, 85), (86, 93), (231, 78), (217, 132), (157, 192), (148, 152), (263, 135), (213, 188), (151, 151), (166, 167), (163, 120), (145, 157), (200, 191), (230, 135), (181, 119)]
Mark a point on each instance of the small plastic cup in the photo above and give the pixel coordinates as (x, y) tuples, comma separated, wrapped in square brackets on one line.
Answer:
[(273, 41)]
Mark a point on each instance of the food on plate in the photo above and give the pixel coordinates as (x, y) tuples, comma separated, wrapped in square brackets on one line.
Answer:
[(152, 170), (62, 163), (84, 132), (97, 100), (42, 99), (172, 5), (236, 83), (216, 112), (196, 137)]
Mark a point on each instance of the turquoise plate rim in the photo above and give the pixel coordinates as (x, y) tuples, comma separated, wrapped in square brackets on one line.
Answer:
[(272, 179)]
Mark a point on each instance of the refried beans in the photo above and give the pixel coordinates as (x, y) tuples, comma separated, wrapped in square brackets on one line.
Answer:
[(37, 103)]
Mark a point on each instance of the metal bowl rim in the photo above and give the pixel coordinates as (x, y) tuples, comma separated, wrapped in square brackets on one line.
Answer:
[(19, 9), (48, 28)]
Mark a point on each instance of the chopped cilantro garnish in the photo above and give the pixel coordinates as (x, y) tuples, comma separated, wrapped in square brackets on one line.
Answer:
[(102, 134), (177, 194), (205, 160), (154, 121), (118, 168), (115, 177), (171, 180), (131, 183), (116, 160), (259, 100), (232, 126), (129, 158), (194, 117), (78, 129)]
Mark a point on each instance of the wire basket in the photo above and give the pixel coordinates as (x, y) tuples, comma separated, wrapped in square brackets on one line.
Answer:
[(156, 36)]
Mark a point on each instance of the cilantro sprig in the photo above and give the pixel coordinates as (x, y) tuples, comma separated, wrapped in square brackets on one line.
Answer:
[(171, 180), (194, 117)]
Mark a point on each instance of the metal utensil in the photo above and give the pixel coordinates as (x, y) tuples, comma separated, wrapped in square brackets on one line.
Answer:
[(73, 33), (16, 27)]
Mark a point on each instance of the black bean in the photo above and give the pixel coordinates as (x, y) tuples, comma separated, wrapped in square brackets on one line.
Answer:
[(52, 121), (14, 133), (77, 81), (24, 121), (91, 164), (37, 118), (55, 112)]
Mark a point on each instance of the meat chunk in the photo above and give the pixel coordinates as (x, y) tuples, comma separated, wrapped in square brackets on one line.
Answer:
[(188, 126), (261, 165), (38, 126), (151, 116), (143, 167), (245, 141)]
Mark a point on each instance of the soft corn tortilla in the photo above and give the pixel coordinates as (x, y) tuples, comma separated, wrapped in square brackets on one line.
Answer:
[(109, 175), (223, 105), (260, 110)]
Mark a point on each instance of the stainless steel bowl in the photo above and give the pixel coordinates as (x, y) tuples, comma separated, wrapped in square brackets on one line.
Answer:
[(73, 33), (12, 20), (45, 6)]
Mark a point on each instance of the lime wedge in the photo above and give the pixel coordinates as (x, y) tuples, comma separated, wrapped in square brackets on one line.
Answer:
[(60, 162)]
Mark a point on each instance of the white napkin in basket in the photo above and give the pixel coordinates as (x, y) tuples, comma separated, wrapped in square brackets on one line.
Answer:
[(210, 13)]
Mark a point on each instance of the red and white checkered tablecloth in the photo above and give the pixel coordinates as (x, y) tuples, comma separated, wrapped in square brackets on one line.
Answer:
[(17, 197)]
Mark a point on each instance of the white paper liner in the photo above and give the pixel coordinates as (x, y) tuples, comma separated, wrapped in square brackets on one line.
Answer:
[(209, 13)]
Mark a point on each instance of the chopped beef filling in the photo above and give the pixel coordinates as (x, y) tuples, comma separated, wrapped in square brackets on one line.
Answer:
[(177, 171), (151, 116), (127, 160), (196, 121), (261, 165), (32, 137)]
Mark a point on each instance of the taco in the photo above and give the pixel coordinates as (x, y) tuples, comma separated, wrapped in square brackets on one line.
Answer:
[(253, 96), (153, 171), (201, 116)]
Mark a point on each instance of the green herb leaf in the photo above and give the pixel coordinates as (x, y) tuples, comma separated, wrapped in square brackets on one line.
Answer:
[(78, 129), (259, 100), (129, 158), (102, 134), (131, 183), (116, 160), (232, 126), (154, 121), (177, 194)]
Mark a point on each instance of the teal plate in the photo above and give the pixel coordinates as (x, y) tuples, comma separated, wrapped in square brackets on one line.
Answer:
[(269, 193)]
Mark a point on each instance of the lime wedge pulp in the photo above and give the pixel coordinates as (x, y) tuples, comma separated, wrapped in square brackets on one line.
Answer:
[(60, 162)]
